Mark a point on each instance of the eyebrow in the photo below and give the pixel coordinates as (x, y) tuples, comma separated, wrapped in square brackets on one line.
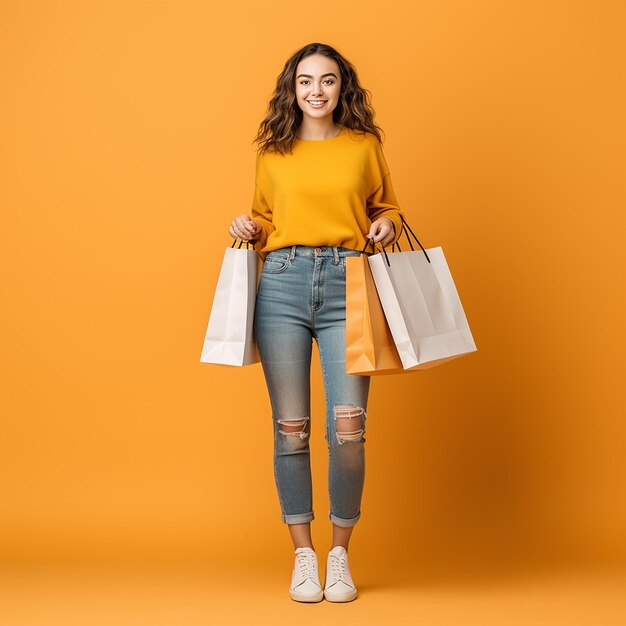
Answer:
[(322, 76)]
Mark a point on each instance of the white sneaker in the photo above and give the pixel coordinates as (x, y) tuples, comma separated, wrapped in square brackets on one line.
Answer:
[(339, 586), (305, 581)]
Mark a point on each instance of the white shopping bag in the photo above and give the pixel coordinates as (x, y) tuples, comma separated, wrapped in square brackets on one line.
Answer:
[(229, 337), (421, 305)]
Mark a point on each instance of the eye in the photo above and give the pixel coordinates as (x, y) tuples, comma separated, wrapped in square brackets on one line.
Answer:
[(328, 80)]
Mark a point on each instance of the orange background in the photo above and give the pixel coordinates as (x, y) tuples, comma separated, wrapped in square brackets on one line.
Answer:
[(127, 150)]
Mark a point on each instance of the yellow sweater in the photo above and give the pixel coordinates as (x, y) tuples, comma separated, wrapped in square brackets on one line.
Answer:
[(326, 193)]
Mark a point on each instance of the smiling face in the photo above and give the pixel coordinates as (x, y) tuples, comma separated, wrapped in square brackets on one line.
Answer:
[(318, 84)]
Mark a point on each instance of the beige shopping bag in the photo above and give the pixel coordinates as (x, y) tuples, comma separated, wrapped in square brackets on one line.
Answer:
[(229, 338), (422, 306)]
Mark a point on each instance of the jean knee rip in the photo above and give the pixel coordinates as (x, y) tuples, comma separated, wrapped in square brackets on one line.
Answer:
[(349, 412), (296, 422)]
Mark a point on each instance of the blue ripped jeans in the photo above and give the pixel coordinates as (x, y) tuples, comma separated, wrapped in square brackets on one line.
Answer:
[(301, 296)]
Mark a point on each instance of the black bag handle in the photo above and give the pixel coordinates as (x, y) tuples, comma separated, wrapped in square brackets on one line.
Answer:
[(406, 226), (242, 241), (392, 247), (368, 241)]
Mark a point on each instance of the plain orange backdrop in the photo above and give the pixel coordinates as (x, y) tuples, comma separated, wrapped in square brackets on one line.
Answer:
[(126, 150)]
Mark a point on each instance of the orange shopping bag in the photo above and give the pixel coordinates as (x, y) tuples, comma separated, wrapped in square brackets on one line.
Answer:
[(370, 348)]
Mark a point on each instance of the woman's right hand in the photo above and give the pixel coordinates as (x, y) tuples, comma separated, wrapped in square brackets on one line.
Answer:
[(244, 227)]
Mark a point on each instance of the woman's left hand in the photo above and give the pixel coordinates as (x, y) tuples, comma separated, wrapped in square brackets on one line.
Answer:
[(382, 230)]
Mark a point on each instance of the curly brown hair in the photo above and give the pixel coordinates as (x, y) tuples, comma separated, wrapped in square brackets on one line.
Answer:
[(277, 132)]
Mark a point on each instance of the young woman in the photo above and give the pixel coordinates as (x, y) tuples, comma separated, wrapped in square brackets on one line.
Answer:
[(322, 190)]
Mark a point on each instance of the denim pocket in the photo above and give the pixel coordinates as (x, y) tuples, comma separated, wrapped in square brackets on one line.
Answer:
[(275, 263)]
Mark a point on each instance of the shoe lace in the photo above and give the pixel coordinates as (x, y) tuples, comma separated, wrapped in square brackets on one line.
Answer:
[(306, 564), (338, 567)]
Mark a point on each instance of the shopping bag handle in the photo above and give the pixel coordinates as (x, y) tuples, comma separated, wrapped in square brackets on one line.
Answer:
[(239, 246), (405, 225), (368, 241), (365, 246), (371, 240), (397, 243)]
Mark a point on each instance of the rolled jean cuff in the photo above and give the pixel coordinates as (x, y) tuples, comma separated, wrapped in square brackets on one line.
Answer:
[(346, 523), (298, 518)]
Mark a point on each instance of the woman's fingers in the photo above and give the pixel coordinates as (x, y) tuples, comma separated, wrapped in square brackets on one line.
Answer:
[(233, 232), (243, 227), (249, 224), (382, 233), (236, 232)]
